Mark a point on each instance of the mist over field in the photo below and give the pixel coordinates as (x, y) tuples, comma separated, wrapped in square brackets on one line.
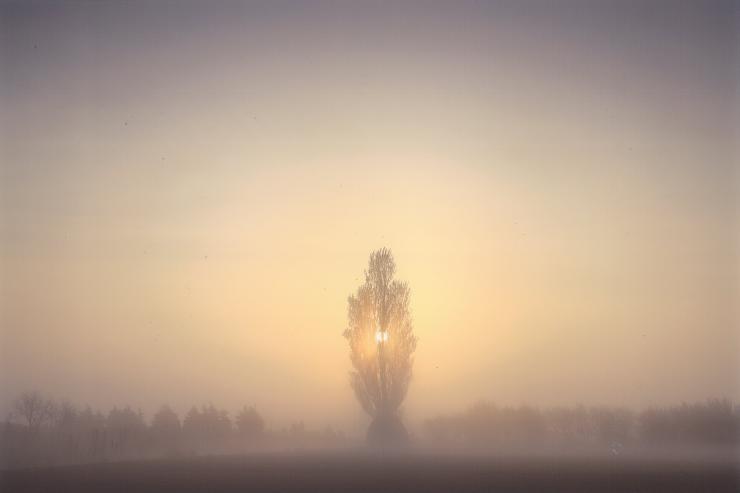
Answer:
[(466, 232)]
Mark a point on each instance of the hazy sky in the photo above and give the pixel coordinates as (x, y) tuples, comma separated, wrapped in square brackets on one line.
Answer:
[(189, 193)]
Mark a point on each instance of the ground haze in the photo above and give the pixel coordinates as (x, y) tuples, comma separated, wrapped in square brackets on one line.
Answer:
[(374, 472)]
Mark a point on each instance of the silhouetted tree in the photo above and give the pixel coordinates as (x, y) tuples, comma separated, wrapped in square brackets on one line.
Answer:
[(166, 428), (34, 409), (63, 416), (192, 427), (249, 423), (126, 430), (207, 427), (65, 432), (381, 341), (94, 437)]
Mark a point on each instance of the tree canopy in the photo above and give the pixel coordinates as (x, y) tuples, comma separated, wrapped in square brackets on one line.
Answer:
[(381, 338)]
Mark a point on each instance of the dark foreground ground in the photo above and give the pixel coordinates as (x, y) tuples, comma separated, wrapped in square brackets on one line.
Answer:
[(367, 472)]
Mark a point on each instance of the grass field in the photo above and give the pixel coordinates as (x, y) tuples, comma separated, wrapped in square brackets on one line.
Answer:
[(365, 472)]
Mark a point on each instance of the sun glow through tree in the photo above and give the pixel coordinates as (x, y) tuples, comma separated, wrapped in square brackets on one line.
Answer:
[(382, 342)]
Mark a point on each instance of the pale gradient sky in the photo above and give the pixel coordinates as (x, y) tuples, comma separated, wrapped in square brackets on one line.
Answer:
[(189, 193)]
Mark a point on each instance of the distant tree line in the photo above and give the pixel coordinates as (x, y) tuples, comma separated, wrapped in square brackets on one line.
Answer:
[(714, 424), (41, 431)]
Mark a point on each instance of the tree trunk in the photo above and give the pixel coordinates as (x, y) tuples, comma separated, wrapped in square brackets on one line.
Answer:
[(387, 430)]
